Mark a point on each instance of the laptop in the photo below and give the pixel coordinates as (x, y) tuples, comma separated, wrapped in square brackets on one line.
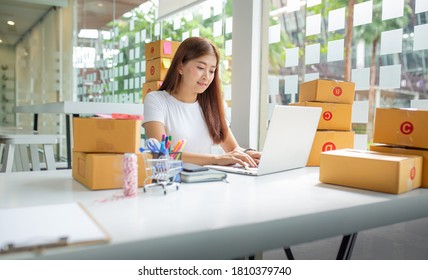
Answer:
[(288, 141)]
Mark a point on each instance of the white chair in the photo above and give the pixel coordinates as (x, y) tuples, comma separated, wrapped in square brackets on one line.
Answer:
[(15, 151)]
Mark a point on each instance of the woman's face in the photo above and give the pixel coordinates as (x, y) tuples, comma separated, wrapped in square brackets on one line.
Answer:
[(197, 74)]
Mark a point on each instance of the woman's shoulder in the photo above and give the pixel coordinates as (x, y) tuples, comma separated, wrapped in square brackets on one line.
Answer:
[(159, 95)]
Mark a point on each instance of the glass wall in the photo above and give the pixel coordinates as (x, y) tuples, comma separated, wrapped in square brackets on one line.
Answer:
[(381, 46), (110, 53), (7, 86)]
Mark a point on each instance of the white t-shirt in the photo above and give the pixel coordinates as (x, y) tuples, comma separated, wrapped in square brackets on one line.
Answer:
[(181, 120)]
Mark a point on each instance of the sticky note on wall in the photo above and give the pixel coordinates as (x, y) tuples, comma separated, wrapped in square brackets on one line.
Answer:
[(167, 47)]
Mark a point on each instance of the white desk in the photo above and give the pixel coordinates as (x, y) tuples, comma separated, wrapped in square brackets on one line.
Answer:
[(214, 220), (71, 108)]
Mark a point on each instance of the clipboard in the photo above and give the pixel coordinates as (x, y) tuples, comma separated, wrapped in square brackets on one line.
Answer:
[(40, 227)]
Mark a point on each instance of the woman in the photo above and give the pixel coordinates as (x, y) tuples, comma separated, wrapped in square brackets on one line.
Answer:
[(189, 106)]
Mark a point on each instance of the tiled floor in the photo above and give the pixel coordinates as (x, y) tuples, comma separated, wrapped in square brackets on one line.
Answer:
[(403, 241)]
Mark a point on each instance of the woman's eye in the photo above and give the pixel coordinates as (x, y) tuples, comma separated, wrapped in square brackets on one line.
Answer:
[(200, 68)]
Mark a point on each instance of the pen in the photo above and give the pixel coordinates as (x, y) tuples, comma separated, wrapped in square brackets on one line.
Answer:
[(176, 148), (162, 147), (180, 149)]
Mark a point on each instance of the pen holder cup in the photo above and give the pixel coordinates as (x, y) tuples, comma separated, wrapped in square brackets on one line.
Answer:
[(172, 155)]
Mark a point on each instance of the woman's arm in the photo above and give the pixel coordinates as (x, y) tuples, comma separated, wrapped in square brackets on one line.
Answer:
[(231, 146), (155, 130)]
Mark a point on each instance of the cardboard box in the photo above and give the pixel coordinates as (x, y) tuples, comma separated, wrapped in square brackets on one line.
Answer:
[(334, 116), (104, 171), (389, 173), (401, 127), (157, 68), (327, 91), (326, 140), (406, 151), (161, 48), (150, 86), (106, 135)]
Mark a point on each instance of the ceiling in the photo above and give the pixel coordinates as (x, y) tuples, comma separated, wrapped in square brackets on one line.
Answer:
[(25, 13), (92, 14)]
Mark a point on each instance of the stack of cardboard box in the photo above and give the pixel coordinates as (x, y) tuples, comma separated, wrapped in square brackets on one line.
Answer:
[(98, 148), (402, 131), (334, 128), (394, 165), (159, 55)]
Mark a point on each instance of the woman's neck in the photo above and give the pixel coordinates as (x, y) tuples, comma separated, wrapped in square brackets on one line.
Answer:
[(185, 96)]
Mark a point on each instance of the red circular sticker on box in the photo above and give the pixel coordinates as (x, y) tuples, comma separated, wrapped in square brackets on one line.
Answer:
[(328, 146), (413, 173), (327, 115), (406, 128), (152, 70), (337, 91)]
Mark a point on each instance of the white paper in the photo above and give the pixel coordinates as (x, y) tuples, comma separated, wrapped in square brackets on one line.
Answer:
[(391, 41), (143, 35), (41, 224), (228, 48), (217, 7), (143, 66), (420, 104), (273, 85), (311, 76), (195, 32), (360, 142), (312, 54), (274, 34), (392, 9), (137, 52), (157, 29), (217, 28), (361, 78), (227, 92), (313, 25), (390, 76), (336, 19), (420, 39), (421, 6), (126, 70), (131, 83), (137, 83), (177, 23), (229, 25), (360, 112), (291, 57), (290, 84), (185, 35), (335, 50), (206, 12), (293, 5), (311, 3), (363, 13)]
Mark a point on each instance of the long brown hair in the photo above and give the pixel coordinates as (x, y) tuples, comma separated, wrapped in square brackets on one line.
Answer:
[(211, 100)]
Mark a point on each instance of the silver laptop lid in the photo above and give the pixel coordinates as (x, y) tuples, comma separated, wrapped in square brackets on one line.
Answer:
[(289, 138)]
